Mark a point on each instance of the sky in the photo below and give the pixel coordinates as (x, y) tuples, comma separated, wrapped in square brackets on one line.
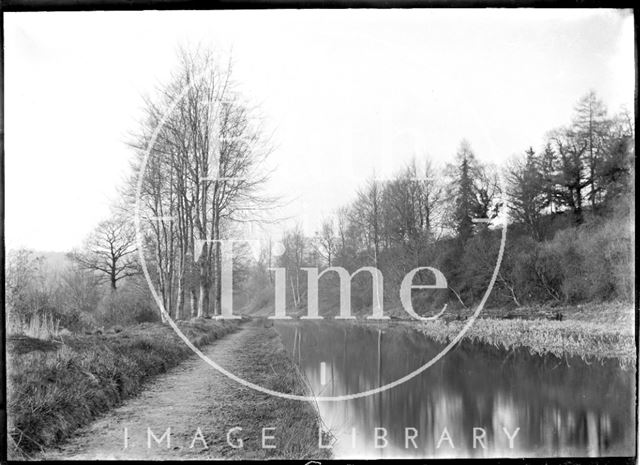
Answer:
[(346, 95)]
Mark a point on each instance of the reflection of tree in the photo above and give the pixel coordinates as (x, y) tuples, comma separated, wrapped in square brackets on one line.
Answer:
[(468, 387)]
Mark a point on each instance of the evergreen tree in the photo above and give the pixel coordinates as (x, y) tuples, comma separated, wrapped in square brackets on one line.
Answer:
[(463, 192), (592, 126), (526, 192), (548, 165)]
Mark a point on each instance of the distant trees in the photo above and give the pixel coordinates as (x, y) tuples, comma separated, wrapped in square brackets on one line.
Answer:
[(588, 161), (568, 202), (423, 216), (57, 290), (201, 177), (109, 251), (412, 204), (326, 241)]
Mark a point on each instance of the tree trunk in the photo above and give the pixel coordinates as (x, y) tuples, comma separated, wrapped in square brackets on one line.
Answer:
[(203, 300), (578, 210), (217, 270), (180, 296), (203, 297), (193, 301)]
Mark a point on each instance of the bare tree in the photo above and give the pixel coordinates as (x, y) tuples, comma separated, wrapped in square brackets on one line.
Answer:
[(109, 251), (326, 242), (293, 259), (367, 213), (412, 204), (203, 174)]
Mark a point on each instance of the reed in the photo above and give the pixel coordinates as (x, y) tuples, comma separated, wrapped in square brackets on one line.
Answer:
[(39, 326), (584, 339)]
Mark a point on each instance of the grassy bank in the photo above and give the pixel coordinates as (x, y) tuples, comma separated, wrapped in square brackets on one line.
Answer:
[(55, 387), (590, 331), (265, 362), (594, 331)]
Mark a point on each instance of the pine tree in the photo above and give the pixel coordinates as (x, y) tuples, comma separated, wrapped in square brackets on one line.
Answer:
[(466, 206), (548, 165), (591, 124), (526, 192)]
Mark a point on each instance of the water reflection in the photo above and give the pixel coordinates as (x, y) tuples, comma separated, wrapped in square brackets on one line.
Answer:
[(542, 406)]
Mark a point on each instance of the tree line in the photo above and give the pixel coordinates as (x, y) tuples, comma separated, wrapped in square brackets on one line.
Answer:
[(567, 205), (197, 177)]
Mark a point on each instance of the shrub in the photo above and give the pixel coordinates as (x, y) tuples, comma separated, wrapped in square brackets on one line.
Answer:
[(593, 261), (590, 262), (125, 306)]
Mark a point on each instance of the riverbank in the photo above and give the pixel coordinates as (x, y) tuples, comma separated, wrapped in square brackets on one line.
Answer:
[(590, 331), (59, 385), (560, 338), (195, 412), (57, 390), (593, 331)]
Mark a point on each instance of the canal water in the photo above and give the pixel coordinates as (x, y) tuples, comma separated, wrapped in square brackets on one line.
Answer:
[(468, 404)]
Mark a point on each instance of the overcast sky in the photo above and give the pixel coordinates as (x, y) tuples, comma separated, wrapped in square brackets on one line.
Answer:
[(345, 92)]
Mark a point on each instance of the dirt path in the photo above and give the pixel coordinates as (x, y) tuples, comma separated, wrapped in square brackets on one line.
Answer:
[(194, 395)]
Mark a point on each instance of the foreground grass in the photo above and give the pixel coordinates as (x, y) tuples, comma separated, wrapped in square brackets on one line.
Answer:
[(55, 387), (265, 362), (590, 332)]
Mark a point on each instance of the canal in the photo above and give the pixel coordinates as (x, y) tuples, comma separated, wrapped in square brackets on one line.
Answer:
[(477, 401)]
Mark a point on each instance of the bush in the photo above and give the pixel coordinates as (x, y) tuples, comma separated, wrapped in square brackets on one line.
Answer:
[(592, 262), (125, 306)]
